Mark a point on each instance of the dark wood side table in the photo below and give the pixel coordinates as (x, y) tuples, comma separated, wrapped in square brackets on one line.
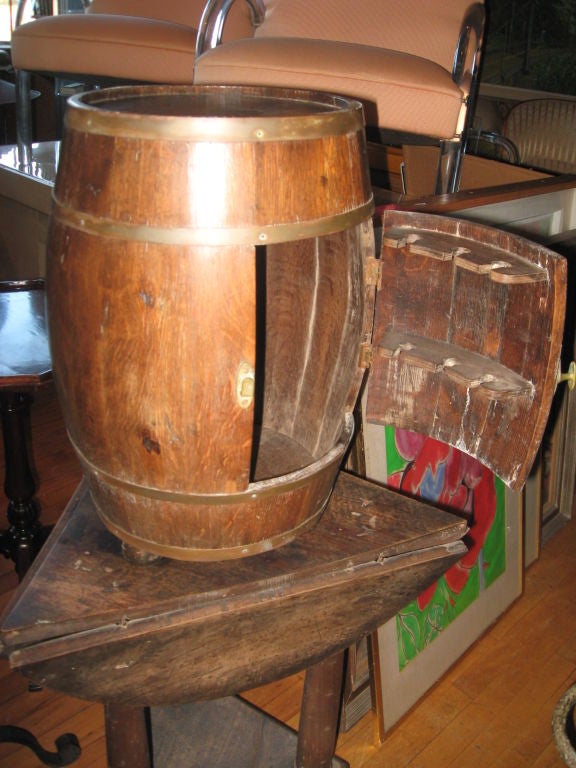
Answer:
[(89, 623), (24, 365)]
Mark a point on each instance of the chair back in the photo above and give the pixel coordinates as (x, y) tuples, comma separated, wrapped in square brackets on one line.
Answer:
[(425, 28), (176, 11), (188, 13)]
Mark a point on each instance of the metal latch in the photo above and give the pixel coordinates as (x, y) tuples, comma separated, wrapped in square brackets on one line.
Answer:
[(570, 377), (245, 385)]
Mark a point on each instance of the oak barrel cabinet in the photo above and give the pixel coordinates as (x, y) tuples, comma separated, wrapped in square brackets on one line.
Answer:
[(453, 328)]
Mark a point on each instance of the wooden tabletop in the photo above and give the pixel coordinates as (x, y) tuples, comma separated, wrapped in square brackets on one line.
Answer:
[(87, 622), (24, 350)]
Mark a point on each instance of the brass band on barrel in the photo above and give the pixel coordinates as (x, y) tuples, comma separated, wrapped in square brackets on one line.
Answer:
[(346, 116), (256, 490), (210, 554), (235, 235)]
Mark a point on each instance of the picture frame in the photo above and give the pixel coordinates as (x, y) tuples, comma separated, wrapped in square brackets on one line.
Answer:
[(401, 689), (399, 684)]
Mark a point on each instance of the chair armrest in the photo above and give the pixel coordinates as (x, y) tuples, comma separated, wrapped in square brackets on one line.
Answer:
[(497, 140), (213, 20), (466, 62)]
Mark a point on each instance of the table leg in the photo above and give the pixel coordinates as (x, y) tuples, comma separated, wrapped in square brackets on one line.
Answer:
[(23, 540), (127, 736), (321, 701)]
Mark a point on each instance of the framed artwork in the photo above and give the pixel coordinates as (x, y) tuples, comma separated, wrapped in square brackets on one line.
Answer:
[(533, 514), (415, 648), (358, 684), (555, 470), (557, 466)]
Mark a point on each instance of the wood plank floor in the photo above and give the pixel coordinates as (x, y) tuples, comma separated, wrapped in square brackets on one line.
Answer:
[(493, 708)]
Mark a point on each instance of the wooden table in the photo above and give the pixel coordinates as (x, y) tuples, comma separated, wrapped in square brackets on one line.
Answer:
[(89, 623), (24, 364)]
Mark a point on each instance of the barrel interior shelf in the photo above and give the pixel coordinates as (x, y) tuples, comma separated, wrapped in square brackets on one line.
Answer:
[(467, 334), (468, 369)]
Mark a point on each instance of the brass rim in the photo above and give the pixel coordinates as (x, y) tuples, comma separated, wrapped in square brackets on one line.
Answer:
[(336, 116)]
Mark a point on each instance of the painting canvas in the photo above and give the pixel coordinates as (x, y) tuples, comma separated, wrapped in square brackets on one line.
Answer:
[(418, 645)]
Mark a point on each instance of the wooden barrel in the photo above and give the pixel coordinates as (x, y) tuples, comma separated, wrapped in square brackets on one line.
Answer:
[(206, 302)]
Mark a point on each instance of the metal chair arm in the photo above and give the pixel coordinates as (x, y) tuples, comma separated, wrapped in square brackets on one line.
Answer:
[(213, 20), (491, 137), (472, 27), (41, 8)]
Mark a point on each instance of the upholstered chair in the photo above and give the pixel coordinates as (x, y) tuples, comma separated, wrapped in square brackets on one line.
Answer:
[(544, 133), (413, 63), (114, 40)]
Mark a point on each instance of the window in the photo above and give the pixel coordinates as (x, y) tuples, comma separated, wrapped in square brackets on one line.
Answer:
[(531, 44)]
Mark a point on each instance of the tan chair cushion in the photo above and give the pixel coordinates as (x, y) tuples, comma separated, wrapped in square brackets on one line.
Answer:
[(108, 46), (155, 44), (400, 92)]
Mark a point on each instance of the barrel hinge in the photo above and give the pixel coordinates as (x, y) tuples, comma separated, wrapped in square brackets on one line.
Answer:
[(366, 355), (373, 271)]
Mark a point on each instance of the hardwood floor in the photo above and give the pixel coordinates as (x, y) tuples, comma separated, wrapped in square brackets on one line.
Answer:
[(493, 708)]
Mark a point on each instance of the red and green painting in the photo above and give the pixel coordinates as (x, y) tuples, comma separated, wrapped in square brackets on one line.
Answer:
[(453, 480)]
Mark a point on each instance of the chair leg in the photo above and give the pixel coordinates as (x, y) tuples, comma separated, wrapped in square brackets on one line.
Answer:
[(449, 167), (318, 729), (60, 100), (23, 117)]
